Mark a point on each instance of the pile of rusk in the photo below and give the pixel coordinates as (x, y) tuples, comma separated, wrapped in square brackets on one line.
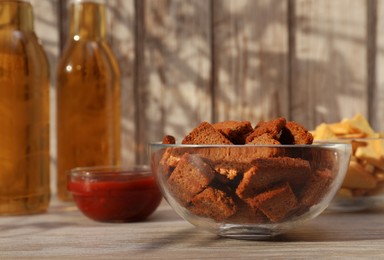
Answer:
[(365, 176)]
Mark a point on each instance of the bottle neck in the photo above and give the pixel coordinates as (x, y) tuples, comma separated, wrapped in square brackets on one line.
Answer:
[(16, 14), (87, 20)]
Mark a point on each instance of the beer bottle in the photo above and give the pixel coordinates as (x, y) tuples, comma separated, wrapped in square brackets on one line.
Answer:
[(88, 95), (24, 113)]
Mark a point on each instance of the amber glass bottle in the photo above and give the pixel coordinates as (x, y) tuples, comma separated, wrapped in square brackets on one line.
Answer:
[(24, 113), (88, 95)]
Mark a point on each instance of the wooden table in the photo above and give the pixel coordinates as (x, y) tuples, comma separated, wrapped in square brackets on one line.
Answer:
[(63, 232)]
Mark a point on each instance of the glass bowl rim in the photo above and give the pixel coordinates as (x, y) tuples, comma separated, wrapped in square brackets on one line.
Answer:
[(112, 171), (316, 144)]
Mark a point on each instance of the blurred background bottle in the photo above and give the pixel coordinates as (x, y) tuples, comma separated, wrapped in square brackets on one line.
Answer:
[(88, 95), (24, 113)]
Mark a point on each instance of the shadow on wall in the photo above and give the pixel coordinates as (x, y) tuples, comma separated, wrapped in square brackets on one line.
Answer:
[(221, 60)]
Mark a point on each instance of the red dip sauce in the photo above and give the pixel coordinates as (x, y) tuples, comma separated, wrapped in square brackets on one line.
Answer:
[(115, 196)]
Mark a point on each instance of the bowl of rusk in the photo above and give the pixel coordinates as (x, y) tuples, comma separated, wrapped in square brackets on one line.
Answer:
[(241, 181)]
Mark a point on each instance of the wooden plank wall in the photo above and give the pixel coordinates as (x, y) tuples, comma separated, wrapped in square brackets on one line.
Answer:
[(185, 61)]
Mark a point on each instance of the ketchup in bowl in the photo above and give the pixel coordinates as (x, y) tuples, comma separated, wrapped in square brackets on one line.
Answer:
[(114, 194)]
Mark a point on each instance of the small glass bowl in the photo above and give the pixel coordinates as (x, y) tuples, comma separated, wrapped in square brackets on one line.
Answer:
[(249, 191), (363, 186), (114, 194)]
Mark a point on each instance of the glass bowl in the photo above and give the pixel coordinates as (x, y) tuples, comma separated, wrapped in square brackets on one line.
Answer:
[(363, 186), (249, 191), (114, 194)]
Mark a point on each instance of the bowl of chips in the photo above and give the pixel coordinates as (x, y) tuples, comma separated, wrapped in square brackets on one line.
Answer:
[(363, 185)]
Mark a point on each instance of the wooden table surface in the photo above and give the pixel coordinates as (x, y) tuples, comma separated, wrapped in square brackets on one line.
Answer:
[(64, 233)]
